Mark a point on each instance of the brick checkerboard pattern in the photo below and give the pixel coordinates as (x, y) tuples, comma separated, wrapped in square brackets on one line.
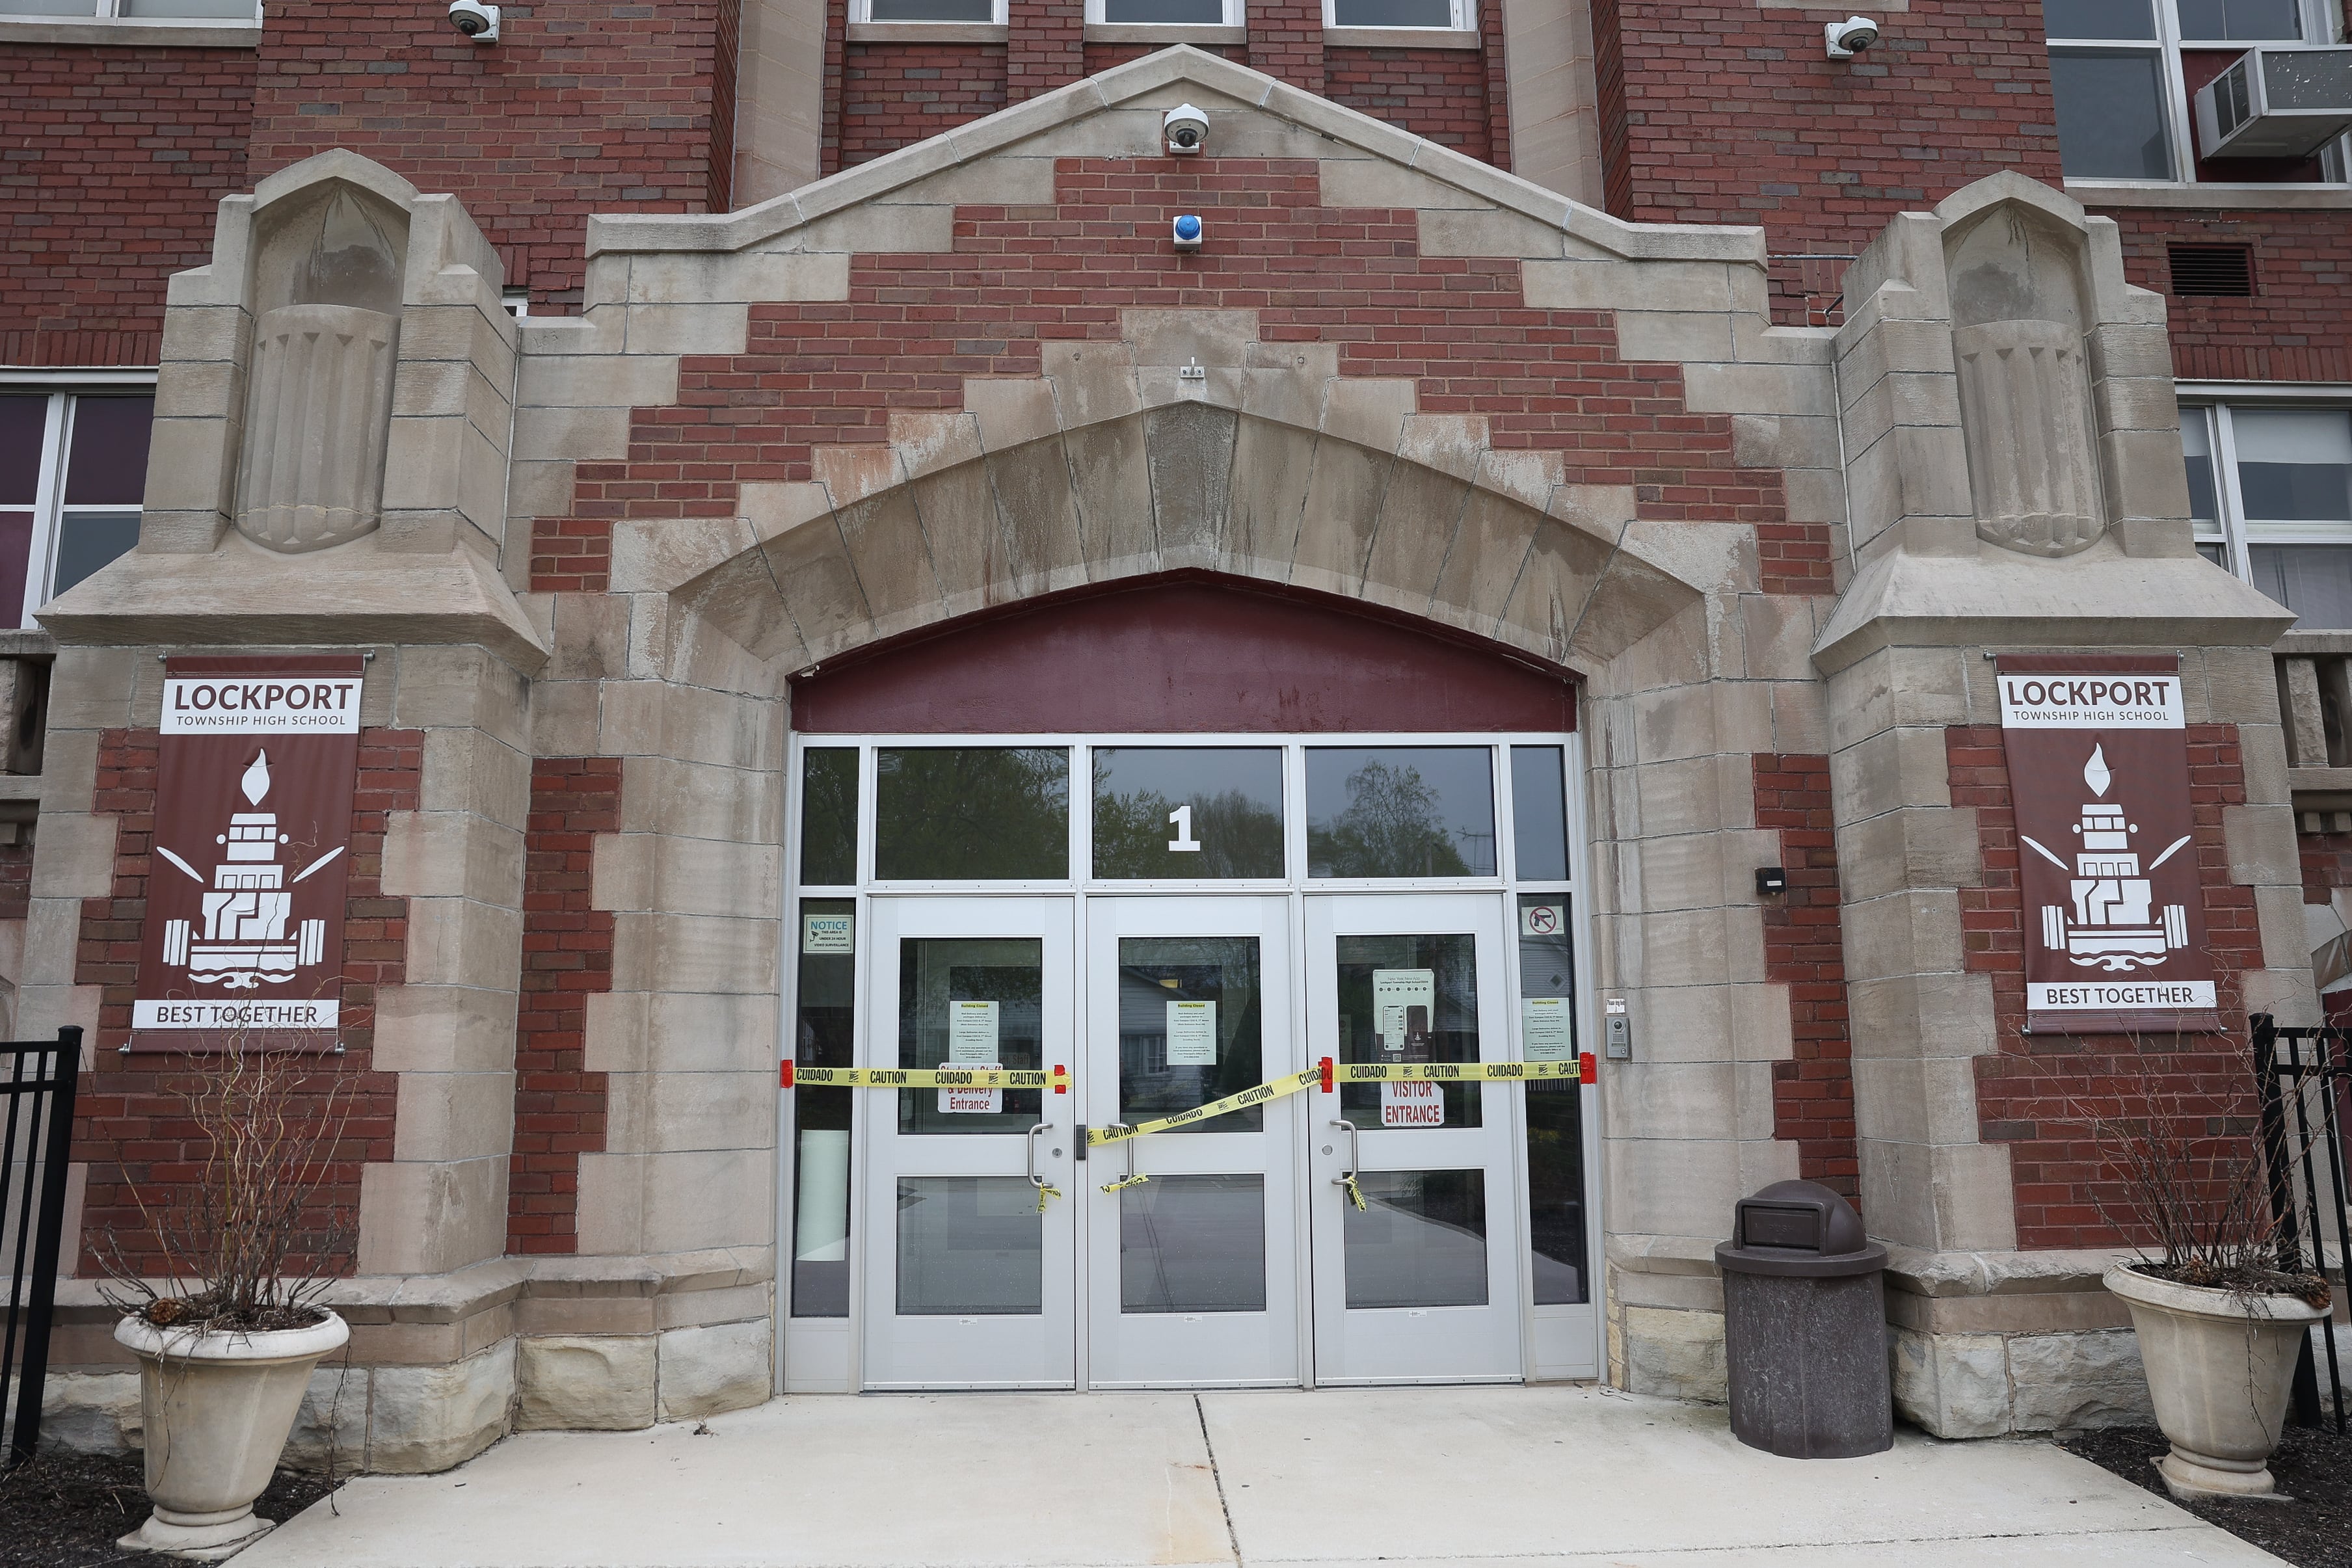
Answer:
[(133, 1104), (916, 325), (1804, 949), (2033, 1093), (567, 956)]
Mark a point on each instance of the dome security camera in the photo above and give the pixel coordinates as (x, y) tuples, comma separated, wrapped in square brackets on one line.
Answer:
[(1185, 128), (1851, 36), (476, 20)]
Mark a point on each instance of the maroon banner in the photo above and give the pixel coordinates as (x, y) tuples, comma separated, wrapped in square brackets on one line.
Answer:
[(2115, 914), (243, 944)]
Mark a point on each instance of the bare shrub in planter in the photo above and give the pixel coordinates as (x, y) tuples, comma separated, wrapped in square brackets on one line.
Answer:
[(229, 1329)]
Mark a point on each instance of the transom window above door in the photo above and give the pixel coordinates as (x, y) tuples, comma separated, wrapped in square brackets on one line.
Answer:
[(1147, 813)]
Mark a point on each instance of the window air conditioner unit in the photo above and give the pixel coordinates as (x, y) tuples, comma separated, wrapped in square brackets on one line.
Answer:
[(2277, 103)]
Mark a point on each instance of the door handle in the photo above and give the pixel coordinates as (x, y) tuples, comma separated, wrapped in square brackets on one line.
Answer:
[(1045, 1190), (1131, 1178), (1347, 1179)]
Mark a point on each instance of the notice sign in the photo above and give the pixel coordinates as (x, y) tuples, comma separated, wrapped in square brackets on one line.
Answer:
[(1545, 1031), (2115, 917), (243, 942), (971, 1034), (1396, 994), (1416, 1104), (827, 933), (1191, 1034)]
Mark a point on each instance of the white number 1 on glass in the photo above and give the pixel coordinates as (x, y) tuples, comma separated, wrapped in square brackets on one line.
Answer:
[(1181, 818)]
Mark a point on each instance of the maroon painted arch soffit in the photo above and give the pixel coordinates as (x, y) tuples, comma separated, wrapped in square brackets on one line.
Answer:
[(1190, 652)]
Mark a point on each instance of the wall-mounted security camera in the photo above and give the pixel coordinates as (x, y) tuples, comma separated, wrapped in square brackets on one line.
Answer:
[(476, 20), (1186, 128), (1851, 36)]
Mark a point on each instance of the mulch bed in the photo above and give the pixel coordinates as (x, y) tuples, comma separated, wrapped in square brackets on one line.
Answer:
[(65, 1510), (2313, 1466)]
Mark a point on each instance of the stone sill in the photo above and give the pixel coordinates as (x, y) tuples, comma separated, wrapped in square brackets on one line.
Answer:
[(1164, 33), (132, 33), (1401, 38), (2214, 198), (30, 643), (929, 33), (2312, 644), (373, 1299)]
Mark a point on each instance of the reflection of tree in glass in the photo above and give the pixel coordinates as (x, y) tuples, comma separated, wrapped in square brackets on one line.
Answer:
[(1390, 828), (977, 814), (1238, 836)]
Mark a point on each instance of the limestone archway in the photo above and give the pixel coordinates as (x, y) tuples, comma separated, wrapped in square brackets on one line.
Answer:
[(1104, 469)]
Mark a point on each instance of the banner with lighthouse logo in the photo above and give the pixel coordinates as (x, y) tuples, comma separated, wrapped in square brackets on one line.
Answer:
[(2115, 916), (243, 943)]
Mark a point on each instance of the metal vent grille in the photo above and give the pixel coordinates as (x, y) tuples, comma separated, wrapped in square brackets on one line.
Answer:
[(2226, 270)]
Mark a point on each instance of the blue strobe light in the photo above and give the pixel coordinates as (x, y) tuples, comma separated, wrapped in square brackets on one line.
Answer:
[(1188, 232)]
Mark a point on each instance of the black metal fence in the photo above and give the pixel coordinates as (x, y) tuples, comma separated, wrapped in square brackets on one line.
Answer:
[(37, 1088), (2303, 1073)]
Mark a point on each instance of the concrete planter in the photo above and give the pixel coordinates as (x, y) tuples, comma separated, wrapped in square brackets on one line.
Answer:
[(218, 1407), (2218, 1371)]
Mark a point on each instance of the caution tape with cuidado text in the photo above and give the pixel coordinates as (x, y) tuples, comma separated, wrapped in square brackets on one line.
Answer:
[(1327, 1075)]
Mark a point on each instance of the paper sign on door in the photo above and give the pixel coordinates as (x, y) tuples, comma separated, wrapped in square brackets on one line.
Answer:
[(1191, 1034), (827, 933), (1417, 1104), (971, 1043), (1395, 991), (1541, 919), (1544, 1028)]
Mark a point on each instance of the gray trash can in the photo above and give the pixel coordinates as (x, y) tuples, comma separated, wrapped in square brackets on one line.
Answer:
[(1804, 1326)]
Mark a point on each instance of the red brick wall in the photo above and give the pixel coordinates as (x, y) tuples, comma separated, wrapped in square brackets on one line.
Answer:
[(1047, 47), (130, 1123), (2298, 325), (2327, 864), (895, 95), (1804, 949), (567, 954), (2033, 1094), (829, 372), (1733, 115), (1286, 40), (583, 106), (1442, 95), (113, 161)]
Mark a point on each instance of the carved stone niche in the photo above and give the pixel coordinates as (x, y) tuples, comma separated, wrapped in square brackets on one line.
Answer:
[(2020, 297), (327, 283)]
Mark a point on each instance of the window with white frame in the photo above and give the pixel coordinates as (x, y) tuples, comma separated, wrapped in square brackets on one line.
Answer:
[(2125, 75), (241, 11), (2270, 488), (73, 468), (1456, 15), (1167, 13), (987, 11)]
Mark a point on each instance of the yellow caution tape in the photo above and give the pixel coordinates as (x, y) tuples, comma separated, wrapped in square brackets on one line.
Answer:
[(1256, 1094), (1132, 1178), (1328, 1075), (796, 1076), (1355, 1193), (1045, 1190), (1452, 1071)]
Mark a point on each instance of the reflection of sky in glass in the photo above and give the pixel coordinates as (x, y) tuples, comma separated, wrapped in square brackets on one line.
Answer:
[(1400, 811)]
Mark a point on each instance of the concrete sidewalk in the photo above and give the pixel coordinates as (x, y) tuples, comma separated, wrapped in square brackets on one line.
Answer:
[(1474, 1477)]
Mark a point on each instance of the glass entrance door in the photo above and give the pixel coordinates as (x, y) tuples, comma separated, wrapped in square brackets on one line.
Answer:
[(1194, 1270), (969, 1265), (1416, 1265)]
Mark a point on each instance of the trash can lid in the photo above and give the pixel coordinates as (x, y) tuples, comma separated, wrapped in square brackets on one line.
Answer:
[(1798, 1227)]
